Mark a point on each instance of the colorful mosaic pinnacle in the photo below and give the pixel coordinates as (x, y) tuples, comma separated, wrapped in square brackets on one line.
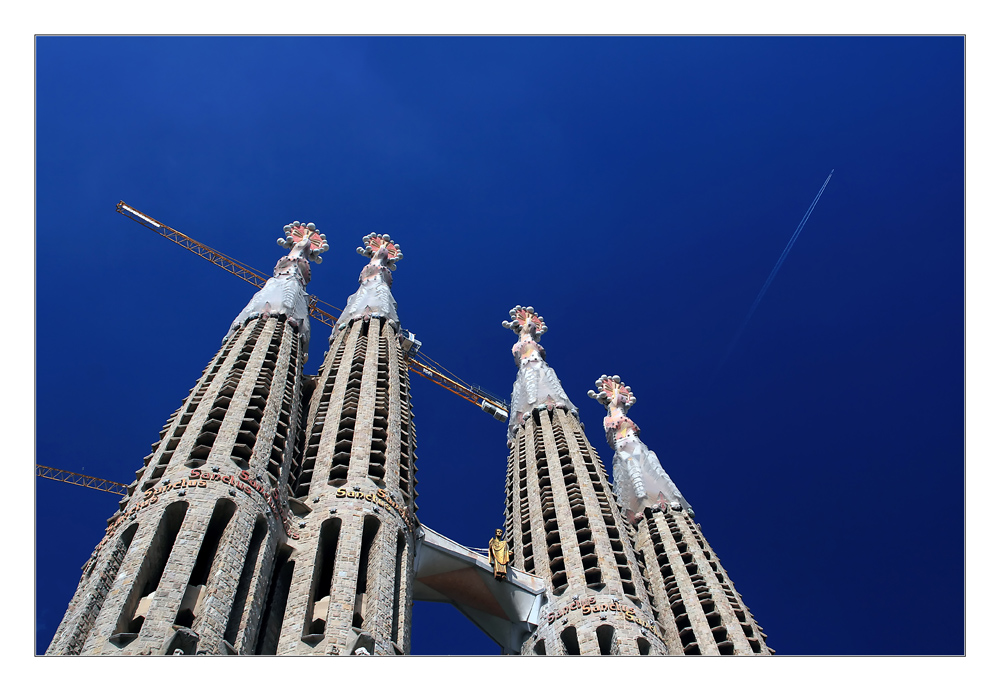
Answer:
[(304, 241), (616, 399), (374, 297), (613, 394), (381, 249), (526, 323)]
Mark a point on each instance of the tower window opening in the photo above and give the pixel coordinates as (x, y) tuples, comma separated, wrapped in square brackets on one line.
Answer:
[(366, 579), (323, 567), (191, 600), (606, 639), (147, 579), (643, 645), (277, 599), (719, 633), (570, 643)]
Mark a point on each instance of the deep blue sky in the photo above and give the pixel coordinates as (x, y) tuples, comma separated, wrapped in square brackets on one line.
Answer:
[(636, 192)]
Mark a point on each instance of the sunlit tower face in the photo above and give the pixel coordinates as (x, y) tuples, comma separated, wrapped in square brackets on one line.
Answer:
[(346, 584), (696, 605), (186, 563), (562, 521)]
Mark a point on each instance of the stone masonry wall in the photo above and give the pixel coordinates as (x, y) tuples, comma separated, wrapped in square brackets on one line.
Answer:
[(699, 609), (207, 491), (566, 528), (352, 582)]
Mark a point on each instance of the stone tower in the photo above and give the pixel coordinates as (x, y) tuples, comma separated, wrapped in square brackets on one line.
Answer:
[(563, 523), (696, 604), (346, 586), (185, 563)]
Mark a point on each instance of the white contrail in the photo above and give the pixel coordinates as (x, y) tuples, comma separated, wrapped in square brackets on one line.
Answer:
[(770, 278)]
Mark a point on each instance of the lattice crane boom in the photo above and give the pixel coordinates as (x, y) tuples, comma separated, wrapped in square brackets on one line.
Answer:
[(81, 480), (417, 362)]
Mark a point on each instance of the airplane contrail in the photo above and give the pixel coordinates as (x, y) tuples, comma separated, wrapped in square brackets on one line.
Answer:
[(767, 283)]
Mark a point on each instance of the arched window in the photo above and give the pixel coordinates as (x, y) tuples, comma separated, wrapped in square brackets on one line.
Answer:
[(570, 642), (147, 579)]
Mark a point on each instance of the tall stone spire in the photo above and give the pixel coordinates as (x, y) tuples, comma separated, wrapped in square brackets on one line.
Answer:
[(696, 604), (186, 563), (345, 587), (562, 522), (536, 386), (640, 480), (285, 292)]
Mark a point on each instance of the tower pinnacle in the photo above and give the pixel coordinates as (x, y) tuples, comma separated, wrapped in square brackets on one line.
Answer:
[(373, 298), (537, 385), (639, 479), (285, 291), (304, 240)]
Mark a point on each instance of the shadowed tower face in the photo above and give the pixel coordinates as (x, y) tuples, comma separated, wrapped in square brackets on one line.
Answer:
[(697, 606), (344, 586), (562, 520), (185, 564)]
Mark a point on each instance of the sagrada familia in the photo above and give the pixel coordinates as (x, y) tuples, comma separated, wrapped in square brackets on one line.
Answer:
[(276, 513)]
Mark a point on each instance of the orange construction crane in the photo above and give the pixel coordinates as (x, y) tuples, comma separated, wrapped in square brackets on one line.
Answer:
[(81, 480), (417, 361)]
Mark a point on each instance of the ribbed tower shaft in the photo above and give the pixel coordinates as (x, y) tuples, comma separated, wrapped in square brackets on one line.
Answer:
[(697, 606), (185, 563), (346, 587), (563, 523)]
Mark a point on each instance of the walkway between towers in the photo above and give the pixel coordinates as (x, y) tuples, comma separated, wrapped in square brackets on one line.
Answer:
[(506, 611)]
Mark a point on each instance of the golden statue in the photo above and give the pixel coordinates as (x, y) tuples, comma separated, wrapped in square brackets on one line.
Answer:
[(499, 556)]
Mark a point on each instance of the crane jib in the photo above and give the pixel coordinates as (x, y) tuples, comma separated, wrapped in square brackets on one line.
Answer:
[(487, 403)]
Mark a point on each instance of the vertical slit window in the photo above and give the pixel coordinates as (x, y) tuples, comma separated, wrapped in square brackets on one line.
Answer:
[(606, 639), (147, 579), (319, 596), (366, 580), (570, 643), (193, 594), (277, 598)]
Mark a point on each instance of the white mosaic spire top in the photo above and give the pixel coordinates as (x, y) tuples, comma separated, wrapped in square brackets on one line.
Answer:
[(537, 385), (285, 291), (639, 479), (373, 298)]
